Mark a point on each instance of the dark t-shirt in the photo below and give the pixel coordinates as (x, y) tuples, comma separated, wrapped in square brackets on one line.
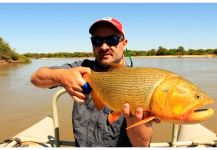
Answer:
[(90, 126)]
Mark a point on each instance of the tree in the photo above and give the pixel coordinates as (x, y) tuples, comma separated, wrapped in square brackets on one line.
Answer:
[(180, 50), (9, 55), (151, 52), (161, 51)]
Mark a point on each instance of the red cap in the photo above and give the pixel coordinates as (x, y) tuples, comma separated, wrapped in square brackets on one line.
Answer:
[(111, 20)]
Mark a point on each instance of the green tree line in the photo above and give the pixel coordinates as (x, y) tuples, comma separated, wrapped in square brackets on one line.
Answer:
[(59, 55), (9, 55), (161, 51)]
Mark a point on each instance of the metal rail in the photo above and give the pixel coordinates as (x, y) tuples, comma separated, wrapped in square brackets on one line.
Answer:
[(175, 135), (58, 142)]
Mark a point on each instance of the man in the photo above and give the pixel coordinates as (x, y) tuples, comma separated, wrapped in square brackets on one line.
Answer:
[(90, 126)]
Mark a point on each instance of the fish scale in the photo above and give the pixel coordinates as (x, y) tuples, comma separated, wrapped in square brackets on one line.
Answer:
[(125, 86)]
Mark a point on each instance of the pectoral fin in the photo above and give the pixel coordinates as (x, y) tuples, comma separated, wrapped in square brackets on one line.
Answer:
[(96, 100), (95, 95), (113, 117), (141, 122)]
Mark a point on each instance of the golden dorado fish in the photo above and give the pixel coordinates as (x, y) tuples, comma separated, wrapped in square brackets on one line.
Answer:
[(168, 96)]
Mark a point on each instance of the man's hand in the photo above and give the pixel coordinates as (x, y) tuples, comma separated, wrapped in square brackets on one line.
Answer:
[(139, 136), (73, 81)]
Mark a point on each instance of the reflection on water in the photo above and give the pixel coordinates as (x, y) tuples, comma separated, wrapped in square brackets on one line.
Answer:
[(22, 104)]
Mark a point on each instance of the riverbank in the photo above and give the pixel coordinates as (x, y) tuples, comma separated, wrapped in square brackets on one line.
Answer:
[(14, 61), (162, 56), (178, 56), (9, 62), (3, 62)]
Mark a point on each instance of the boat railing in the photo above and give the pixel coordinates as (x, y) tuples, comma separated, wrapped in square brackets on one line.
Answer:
[(58, 142)]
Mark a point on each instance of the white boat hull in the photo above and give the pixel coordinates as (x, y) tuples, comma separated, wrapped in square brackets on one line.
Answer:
[(40, 134)]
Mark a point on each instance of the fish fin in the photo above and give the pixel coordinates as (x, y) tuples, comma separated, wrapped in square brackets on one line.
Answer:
[(86, 76), (96, 100), (86, 87), (141, 122), (95, 96), (113, 117)]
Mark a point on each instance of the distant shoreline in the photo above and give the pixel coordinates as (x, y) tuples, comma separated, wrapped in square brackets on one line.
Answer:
[(2, 62), (162, 56), (178, 56)]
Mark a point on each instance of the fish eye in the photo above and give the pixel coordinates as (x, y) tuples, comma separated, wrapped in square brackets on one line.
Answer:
[(197, 96)]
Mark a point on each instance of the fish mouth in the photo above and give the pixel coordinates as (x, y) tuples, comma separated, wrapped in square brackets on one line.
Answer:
[(202, 113), (199, 110)]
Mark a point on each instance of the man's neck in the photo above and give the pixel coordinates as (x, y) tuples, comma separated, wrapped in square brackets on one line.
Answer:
[(103, 68)]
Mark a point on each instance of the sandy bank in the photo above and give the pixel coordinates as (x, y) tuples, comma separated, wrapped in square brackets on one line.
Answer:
[(3, 62), (8, 62)]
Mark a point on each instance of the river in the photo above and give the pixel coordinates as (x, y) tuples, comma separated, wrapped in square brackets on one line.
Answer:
[(22, 104)]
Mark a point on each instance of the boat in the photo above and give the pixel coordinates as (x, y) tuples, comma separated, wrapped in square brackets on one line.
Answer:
[(45, 133)]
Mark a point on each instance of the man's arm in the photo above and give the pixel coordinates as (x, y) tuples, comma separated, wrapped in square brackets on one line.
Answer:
[(70, 79)]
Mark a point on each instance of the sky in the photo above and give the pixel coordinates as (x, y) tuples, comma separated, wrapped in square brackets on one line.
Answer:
[(63, 27)]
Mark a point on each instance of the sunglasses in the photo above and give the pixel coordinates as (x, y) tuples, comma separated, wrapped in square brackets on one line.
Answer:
[(112, 40)]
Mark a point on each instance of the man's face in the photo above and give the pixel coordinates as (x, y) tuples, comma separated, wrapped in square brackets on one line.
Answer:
[(105, 54)]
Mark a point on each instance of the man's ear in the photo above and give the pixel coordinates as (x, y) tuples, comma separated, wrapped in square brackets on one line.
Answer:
[(125, 42)]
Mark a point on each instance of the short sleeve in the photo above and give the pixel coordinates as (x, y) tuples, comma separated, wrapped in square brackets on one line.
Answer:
[(68, 65)]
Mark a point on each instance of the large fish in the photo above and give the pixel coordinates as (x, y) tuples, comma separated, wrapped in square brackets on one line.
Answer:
[(168, 96)]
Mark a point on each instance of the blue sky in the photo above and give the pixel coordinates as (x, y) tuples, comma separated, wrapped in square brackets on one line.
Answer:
[(63, 27)]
